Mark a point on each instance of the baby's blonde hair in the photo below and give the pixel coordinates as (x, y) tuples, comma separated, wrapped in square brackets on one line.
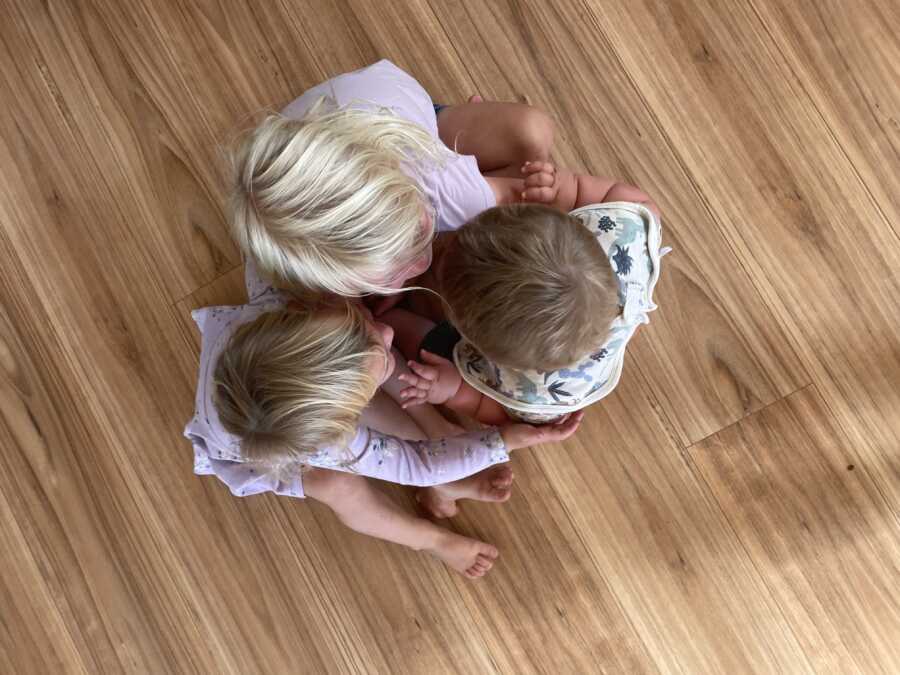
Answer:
[(529, 286), (295, 380), (329, 202)]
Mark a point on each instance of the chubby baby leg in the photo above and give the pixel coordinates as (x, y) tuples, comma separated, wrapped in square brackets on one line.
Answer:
[(364, 509)]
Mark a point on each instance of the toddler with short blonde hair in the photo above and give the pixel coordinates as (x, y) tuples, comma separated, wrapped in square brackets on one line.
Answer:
[(541, 305), (529, 285)]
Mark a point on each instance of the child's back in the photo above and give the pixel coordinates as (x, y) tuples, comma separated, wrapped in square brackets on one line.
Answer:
[(343, 194)]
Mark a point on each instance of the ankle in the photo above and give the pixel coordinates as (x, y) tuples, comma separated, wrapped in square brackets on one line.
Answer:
[(433, 538)]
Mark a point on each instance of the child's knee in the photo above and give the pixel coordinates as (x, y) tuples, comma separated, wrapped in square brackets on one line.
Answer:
[(331, 487), (536, 130)]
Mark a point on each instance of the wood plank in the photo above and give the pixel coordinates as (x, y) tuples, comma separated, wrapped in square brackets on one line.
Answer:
[(804, 504), (666, 550), (846, 58), (712, 353), (794, 210), (51, 482), (77, 97), (34, 636)]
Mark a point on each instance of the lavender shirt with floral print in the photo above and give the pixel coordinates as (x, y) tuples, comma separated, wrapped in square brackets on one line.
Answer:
[(369, 453)]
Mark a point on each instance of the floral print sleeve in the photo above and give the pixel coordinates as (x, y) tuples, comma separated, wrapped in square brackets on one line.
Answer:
[(420, 463)]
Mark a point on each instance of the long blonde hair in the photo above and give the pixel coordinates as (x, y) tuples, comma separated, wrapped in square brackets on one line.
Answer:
[(330, 201), (294, 381)]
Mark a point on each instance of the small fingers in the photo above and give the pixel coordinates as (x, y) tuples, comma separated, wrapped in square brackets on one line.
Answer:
[(411, 402), (542, 195), (412, 396), (537, 167), (542, 179), (559, 430), (426, 372), (569, 427), (409, 378), (420, 388), (433, 359)]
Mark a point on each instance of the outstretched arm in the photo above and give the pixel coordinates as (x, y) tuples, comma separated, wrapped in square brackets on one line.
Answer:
[(434, 462)]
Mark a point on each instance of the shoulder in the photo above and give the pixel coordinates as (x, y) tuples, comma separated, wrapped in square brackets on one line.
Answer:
[(459, 192), (216, 325), (380, 85)]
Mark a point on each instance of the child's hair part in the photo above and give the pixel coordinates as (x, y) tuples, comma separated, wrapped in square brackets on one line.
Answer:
[(296, 380), (529, 286), (328, 202)]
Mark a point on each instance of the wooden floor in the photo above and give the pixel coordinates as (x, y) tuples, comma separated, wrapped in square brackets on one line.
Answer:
[(734, 507)]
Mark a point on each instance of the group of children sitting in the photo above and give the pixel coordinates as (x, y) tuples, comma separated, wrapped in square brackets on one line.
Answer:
[(521, 284)]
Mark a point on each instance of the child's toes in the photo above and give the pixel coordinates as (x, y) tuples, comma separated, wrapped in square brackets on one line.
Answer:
[(474, 572), (484, 564), (503, 477), (500, 494), (542, 179)]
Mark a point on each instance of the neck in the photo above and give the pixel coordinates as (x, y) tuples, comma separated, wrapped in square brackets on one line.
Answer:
[(443, 245)]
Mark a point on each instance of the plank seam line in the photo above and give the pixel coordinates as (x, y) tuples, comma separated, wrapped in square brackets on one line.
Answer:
[(709, 495), (708, 490), (750, 414)]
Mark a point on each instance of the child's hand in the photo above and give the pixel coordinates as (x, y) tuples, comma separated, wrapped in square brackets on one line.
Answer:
[(541, 182), (517, 436), (435, 381)]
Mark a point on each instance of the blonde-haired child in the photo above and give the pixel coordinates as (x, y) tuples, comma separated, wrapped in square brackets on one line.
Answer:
[(343, 192), (540, 303), (282, 406)]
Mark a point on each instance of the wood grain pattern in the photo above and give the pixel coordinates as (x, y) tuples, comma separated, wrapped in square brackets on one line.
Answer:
[(703, 520), (819, 248), (846, 58), (667, 551), (811, 518)]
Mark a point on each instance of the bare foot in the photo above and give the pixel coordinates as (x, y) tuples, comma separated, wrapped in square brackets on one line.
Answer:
[(491, 485), (470, 557), (475, 98)]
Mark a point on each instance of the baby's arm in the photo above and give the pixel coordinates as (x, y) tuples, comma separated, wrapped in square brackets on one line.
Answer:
[(566, 190), (438, 381), (409, 330)]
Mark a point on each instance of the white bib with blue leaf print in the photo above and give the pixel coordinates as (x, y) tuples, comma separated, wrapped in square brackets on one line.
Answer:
[(630, 234)]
